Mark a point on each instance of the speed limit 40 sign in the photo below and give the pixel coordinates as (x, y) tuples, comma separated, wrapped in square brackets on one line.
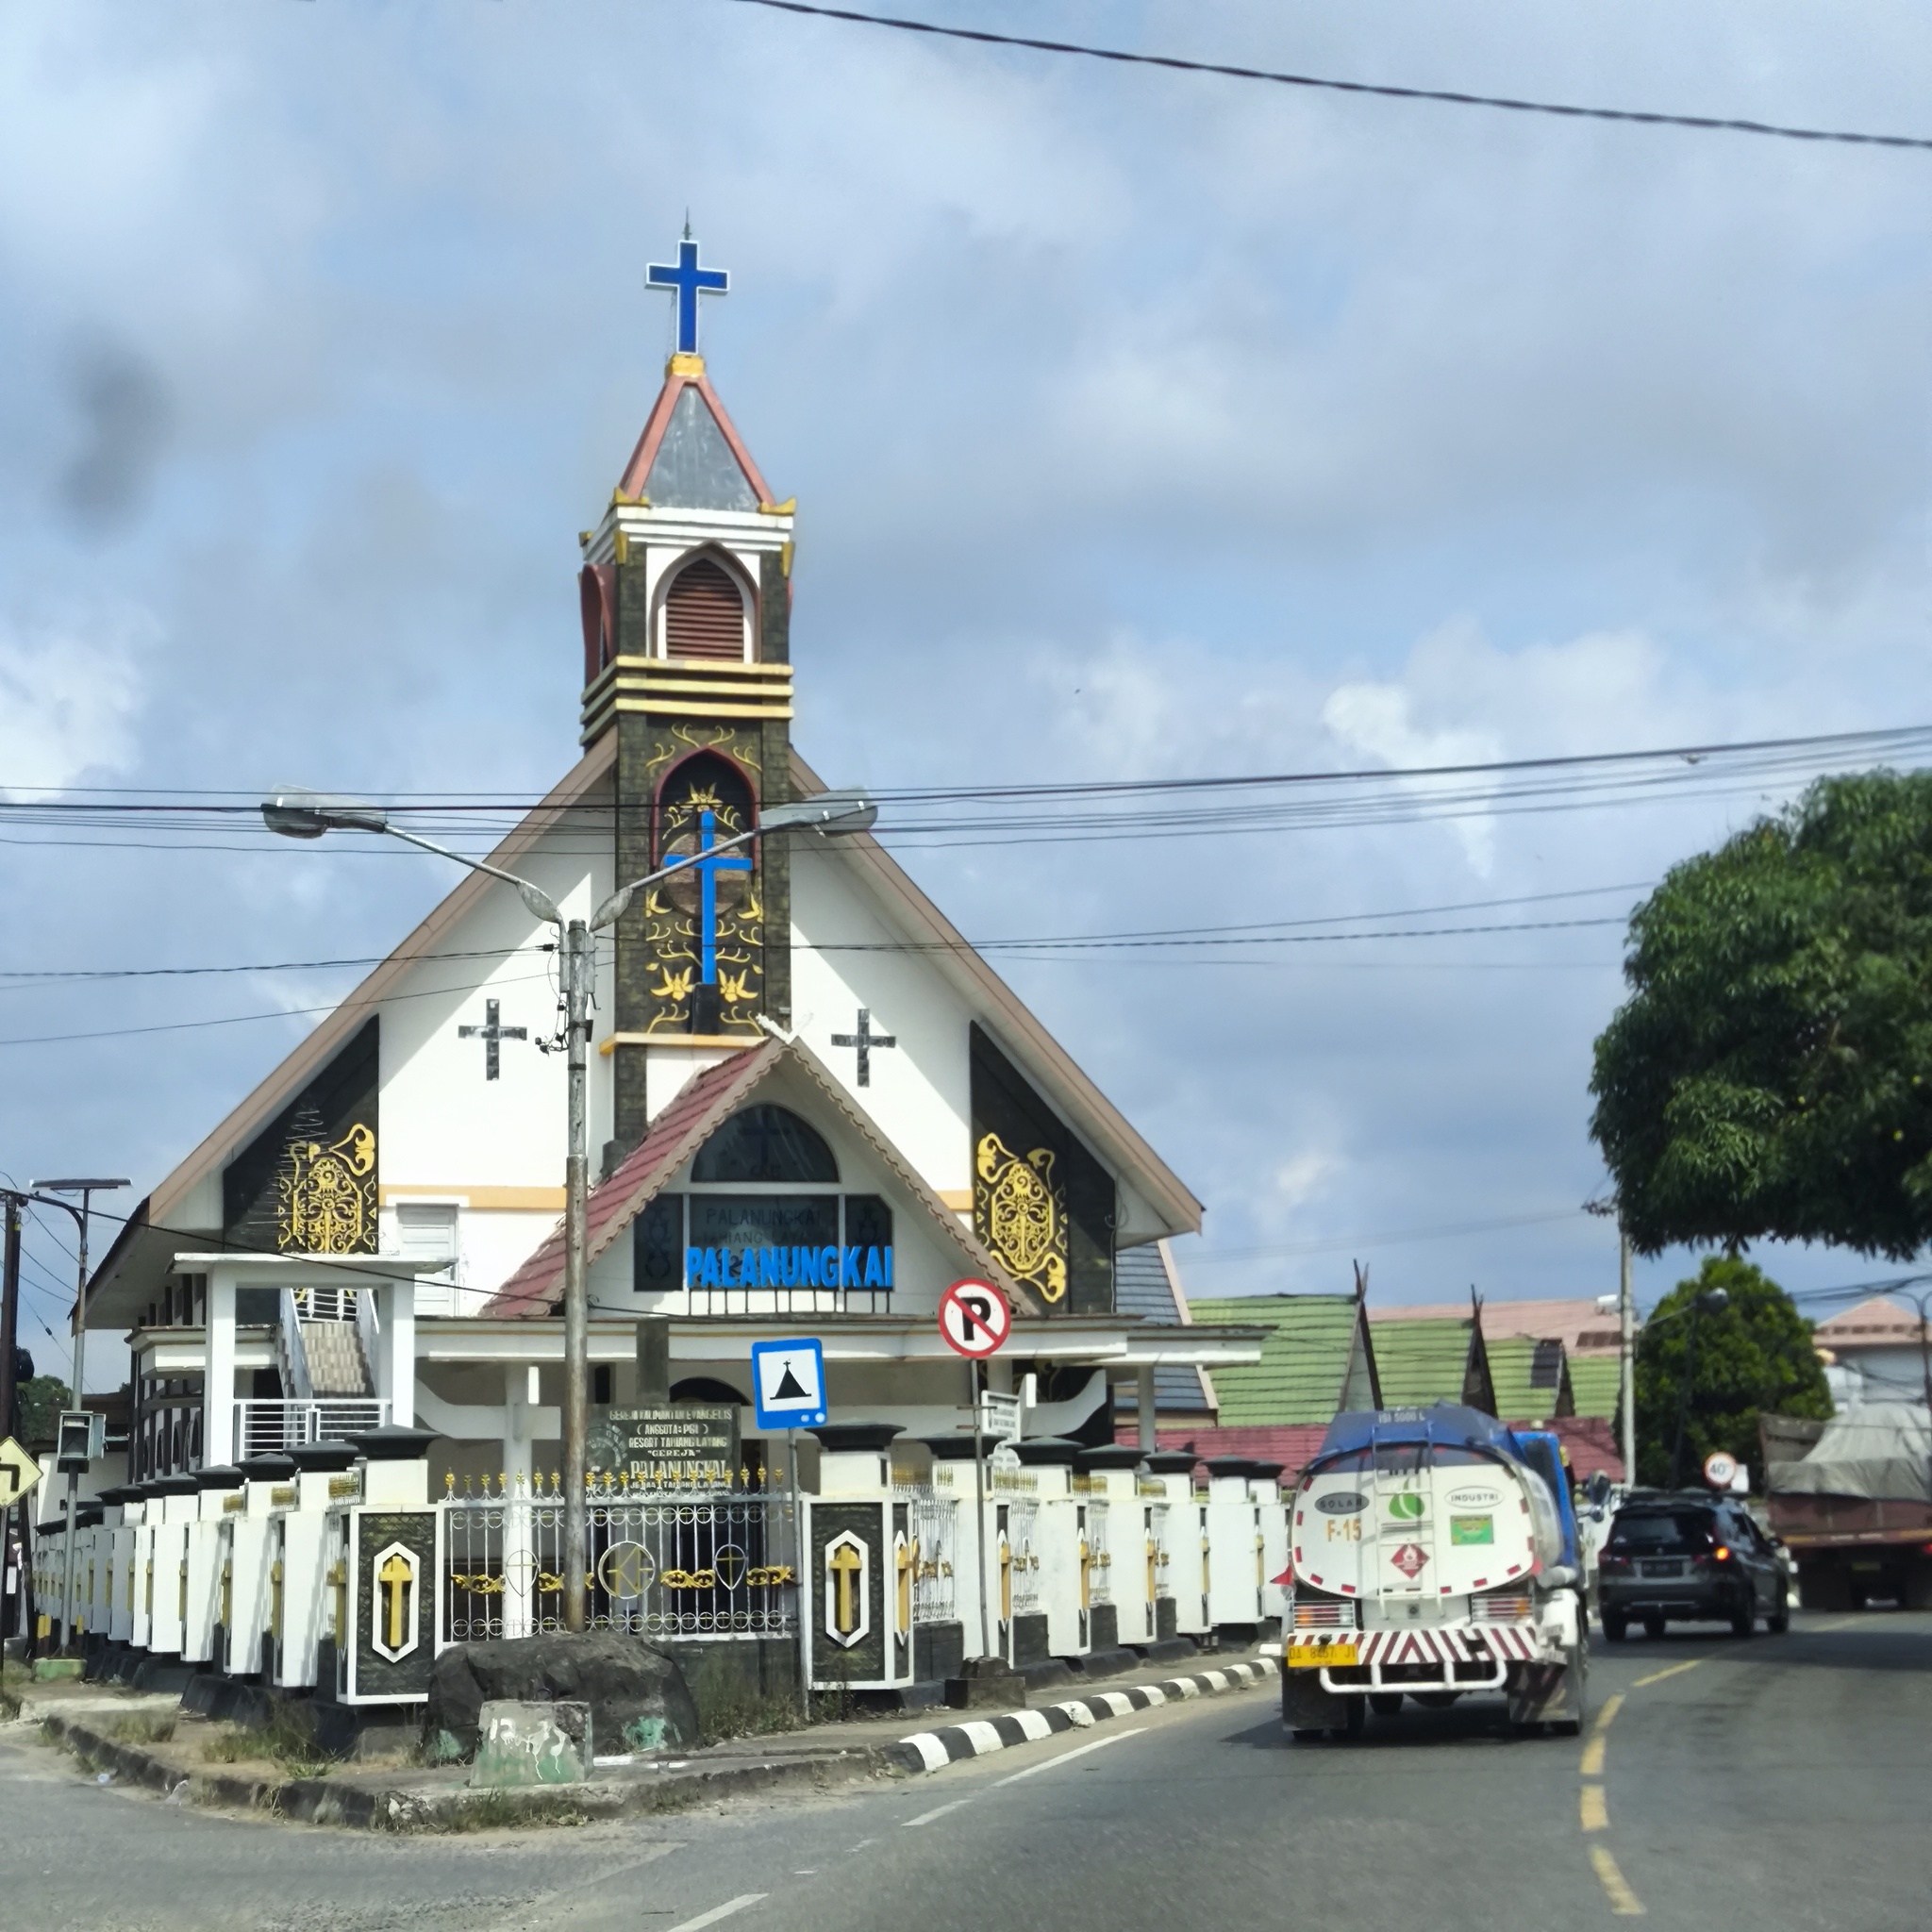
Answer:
[(975, 1319)]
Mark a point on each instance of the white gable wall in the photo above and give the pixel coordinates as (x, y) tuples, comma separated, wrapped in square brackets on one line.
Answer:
[(447, 1132), (921, 1091)]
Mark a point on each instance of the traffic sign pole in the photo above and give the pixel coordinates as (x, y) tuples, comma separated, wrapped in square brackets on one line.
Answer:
[(979, 1500), (802, 1567), (975, 1321)]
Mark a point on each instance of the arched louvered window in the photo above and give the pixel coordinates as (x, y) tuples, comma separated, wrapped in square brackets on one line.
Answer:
[(703, 613)]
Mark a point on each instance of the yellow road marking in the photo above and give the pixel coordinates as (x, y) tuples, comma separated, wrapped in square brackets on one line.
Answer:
[(1593, 1765), (1842, 1624), (1623, 1902), (1658, 1677), (1595, 1813)]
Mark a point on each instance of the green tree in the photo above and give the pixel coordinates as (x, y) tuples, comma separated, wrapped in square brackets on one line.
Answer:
[(1771, 1074), (41, 1403), (1752, 1355)]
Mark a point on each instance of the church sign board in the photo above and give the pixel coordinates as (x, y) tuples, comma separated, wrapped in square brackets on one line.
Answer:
[(666, 1442)]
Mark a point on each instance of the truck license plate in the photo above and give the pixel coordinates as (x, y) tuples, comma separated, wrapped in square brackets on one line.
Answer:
[(1306, 1653)]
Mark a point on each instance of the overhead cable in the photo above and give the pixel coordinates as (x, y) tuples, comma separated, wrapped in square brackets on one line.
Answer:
[(1509, 104)]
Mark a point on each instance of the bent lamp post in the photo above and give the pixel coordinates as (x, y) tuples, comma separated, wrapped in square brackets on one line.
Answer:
[(47, 1193), (297, 814)]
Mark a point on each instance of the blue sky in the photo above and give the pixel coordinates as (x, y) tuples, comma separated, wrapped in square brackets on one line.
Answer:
[(1140, 424)]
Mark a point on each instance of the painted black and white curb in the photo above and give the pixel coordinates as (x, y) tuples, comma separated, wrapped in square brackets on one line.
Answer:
[(935, 1750)]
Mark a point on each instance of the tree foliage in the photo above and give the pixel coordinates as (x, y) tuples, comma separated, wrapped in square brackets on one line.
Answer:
[(41, 1402), (1771, 1074), (1753, 1356)]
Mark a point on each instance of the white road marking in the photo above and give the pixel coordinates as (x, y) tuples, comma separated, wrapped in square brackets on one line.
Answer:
[(717, 1912), (938, 1812), (1068, 1756)]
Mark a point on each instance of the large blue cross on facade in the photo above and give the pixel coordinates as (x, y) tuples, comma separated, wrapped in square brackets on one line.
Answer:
[(707, 865), (691, 281)]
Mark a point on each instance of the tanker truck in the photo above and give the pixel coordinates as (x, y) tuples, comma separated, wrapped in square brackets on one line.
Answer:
[(1429, 1560)]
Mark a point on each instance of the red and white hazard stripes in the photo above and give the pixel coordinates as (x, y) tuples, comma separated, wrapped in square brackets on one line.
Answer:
[(1450, 1643)]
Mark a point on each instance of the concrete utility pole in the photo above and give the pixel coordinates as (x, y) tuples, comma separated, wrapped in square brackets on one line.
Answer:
[(1626, 1348), (9, 1312), (298, 814)]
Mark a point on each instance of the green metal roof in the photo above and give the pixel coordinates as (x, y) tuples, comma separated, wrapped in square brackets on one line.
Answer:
[(1597, 1381), (1422, 1360), (1304, 1359), (1529, 1374)]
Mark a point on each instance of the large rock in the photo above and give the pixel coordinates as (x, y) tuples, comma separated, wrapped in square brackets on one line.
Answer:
[(637, 1695)]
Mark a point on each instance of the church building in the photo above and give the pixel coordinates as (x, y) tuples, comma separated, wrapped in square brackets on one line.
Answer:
[(814, 1106)]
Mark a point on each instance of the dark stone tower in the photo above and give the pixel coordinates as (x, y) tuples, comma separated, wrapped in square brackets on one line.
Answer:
[(686, 590)]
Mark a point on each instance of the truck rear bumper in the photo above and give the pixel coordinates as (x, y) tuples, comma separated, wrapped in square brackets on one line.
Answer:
[(1489, 1674)]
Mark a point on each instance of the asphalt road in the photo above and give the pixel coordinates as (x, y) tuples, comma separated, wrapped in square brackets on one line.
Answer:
[(1772, 1785)]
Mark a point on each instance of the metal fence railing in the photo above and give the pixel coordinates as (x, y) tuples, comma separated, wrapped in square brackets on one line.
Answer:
[(262, 1427), (931, 1522), (663, 1563)]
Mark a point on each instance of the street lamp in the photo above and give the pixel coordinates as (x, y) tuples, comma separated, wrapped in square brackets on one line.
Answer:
[(47, 1193), (298, 814)]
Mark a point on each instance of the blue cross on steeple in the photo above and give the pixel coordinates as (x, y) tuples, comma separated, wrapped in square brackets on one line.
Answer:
[(707, 865), (691, 281)]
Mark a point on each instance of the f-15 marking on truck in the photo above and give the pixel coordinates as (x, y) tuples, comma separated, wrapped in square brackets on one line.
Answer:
[(1431, 1558)]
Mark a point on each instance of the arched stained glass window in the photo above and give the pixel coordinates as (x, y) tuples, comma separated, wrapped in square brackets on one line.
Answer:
[(765, 1144)]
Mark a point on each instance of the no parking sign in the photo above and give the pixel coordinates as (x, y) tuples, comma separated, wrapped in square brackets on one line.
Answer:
[(975, 1319)]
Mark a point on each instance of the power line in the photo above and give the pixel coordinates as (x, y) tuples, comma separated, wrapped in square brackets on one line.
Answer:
[(1702, 124), (1380, 1240), (58, 974), (1874, 743), (276, 1013)]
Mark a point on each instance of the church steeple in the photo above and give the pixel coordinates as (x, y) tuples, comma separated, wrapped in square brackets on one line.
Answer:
[(686, 603)]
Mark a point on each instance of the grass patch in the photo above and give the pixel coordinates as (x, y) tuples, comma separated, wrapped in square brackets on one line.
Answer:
[(286, 1740), (730, 1705), (504, 1810), (143, 1728)]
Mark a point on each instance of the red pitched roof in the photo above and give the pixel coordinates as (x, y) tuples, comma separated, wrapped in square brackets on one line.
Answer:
[(699, 1106), (1291, 1444), (678, 378), (1879, 1322)]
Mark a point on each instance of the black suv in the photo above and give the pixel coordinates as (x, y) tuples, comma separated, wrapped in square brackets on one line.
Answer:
[(1673, 1559)]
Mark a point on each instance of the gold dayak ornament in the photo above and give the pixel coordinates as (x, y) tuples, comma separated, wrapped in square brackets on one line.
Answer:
[(338, 1579), (1086, 1574), (1023, 1214), (906, 1560), (1005, 1581), (328, 1200)]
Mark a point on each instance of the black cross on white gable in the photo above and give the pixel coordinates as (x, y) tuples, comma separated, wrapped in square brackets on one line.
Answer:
[(493, 1033), (864, 1039)]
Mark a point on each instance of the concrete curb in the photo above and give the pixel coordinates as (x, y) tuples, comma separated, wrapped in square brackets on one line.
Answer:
[(934, 1750), (324, 1800)]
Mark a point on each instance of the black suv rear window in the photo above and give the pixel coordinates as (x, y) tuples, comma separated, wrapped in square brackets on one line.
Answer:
[(1674, 1530)]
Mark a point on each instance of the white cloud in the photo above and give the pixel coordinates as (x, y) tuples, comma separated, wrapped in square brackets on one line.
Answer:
[(1306, 1177), (68, 703)]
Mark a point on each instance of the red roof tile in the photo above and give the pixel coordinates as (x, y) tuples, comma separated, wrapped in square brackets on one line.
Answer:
[(700, 1104)]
